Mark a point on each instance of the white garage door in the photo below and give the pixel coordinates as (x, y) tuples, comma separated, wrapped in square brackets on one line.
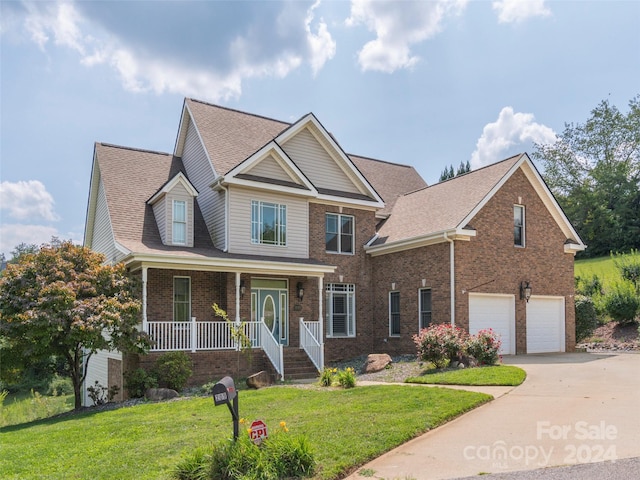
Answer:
[(497, 312), (545, 325)]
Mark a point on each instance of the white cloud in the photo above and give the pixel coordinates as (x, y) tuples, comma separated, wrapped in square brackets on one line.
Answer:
[(27, 200), (398, 26), (12, 235), (509, 130), (144, 64), (513, 11)]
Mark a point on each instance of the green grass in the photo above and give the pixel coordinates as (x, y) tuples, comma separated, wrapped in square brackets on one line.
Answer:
[(603, 267), (27, 407), (506, 375), (346, 428)]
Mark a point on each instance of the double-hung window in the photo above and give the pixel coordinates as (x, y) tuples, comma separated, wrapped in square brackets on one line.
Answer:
[(394, 314), (268, 223), (340, 310), (518, 226), (425, 307), (339, 236), (179, 233), (181, 299)]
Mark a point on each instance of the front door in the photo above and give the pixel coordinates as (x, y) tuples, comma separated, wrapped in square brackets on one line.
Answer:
[(269, 302)]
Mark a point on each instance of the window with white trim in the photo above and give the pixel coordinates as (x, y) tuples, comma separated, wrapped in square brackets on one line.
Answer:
[(394, 314), (179, 232), (339, 237), (268, 223), (340, 301), (424, 307), (518, 226), (181, 299)]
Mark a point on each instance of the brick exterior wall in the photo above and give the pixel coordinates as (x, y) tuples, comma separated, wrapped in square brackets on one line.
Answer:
[(488, 263), (354, 269)]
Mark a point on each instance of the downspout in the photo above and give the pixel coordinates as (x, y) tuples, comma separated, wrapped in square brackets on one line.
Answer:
[(452, 281), (218, 184)]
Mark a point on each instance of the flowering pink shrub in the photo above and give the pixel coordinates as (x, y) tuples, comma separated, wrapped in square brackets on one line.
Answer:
[(484, 347), (440, 343)]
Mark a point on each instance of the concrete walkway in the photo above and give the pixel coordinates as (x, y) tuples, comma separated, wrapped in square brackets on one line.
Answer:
[(572, 408)]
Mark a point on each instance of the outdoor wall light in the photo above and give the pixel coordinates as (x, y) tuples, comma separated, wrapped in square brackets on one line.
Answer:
[(243, 289), (300, 291), (525, 291)]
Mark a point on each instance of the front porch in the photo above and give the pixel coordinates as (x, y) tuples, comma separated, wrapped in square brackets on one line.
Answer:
[(210, 336)]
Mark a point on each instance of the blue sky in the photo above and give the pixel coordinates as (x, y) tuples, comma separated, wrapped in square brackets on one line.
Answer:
[(428, 84)]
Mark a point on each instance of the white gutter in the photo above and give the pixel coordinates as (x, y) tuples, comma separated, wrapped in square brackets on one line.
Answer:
[(452, 282)]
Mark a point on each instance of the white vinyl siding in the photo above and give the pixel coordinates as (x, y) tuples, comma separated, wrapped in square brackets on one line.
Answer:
[(103, 239), (319, 167), (340, 301), (269, 168), (160, 214), (297, 242), (201, 176), (98, 369)]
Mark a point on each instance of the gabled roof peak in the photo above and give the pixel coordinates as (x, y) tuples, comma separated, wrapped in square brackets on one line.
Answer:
[(235, 110)]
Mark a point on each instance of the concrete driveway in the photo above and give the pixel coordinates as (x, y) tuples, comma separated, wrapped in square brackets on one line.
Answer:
[(572, 408)]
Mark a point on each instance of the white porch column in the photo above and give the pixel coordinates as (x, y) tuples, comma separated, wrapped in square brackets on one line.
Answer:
[(238, 298), (145, 325), (321, 319)]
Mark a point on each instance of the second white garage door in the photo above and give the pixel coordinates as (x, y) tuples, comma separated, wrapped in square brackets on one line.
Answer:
[(545, 325), (497, 312)]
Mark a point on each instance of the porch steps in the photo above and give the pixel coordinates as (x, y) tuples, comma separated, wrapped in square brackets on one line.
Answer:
[(297, 365)]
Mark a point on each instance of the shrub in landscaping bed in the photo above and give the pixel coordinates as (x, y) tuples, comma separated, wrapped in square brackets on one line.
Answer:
[(173, 370), (586, 317), (138, 381), (484, 346), (622, 302), (440, 343)]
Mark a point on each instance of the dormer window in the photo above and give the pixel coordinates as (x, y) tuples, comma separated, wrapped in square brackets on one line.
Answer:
[(179, 222), (173, 207)]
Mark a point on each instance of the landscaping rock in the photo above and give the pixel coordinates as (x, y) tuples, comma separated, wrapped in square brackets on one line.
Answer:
[(259, 380), (156, 394), (376, 362)]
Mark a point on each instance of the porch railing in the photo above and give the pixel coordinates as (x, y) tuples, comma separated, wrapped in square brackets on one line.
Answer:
[(193, 335), (272, 349), (309, 341)]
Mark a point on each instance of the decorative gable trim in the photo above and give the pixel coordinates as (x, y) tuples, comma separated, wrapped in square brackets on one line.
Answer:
[(541, 188), (171, 184), (334, 150), (298, 184)]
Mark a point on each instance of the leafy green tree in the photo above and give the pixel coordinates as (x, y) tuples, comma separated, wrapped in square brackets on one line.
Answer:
[(63, 301), (449, 172), (593, 169)]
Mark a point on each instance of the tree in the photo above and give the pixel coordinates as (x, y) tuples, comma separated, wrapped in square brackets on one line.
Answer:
[(593, 169), (63, 301), (449, 172)]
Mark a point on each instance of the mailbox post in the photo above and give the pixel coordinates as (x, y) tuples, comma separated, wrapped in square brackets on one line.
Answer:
[(224, 392)]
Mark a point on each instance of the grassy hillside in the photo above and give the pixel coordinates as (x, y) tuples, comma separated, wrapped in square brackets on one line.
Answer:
[(603, 267)]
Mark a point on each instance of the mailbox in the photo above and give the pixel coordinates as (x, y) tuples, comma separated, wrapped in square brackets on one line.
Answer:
[(224, 391)]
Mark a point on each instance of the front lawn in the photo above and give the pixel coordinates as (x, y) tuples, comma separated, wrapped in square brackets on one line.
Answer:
[(346, 428), (505, 375)]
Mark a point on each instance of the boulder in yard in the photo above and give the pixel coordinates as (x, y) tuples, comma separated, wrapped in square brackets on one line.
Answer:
[(156, 394), (376, 362), (259, 380)]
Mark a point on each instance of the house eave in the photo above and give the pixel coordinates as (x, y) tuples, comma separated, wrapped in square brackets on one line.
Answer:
[(574, 248), (135, 261), (421, 241)]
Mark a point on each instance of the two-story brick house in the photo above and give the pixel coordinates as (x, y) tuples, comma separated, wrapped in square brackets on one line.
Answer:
[(312, 249)]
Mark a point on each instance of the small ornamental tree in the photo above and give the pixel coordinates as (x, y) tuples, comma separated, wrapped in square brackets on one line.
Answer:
[(64, 301)]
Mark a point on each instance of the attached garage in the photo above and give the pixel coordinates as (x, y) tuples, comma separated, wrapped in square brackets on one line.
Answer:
[(545, 325), (497, 312)]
